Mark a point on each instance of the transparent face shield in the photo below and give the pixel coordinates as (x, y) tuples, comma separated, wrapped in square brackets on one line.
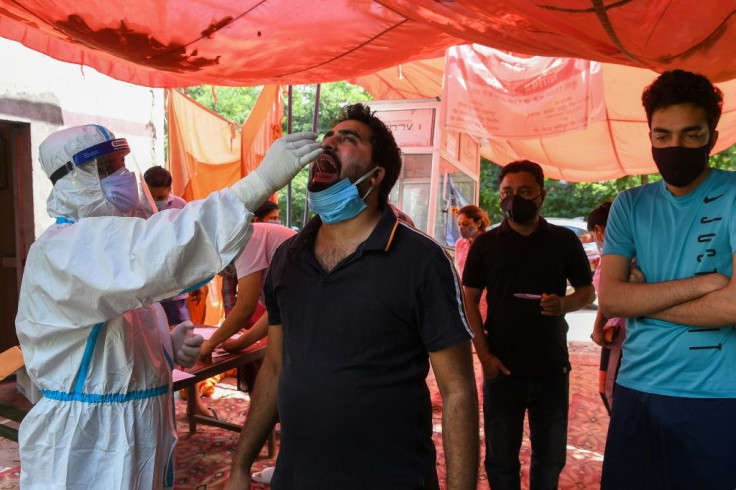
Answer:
[(147, 205), (108, 167), (122, 182)]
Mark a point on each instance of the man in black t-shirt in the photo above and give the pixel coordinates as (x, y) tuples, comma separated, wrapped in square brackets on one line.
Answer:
[(525, 264), (359, 304)]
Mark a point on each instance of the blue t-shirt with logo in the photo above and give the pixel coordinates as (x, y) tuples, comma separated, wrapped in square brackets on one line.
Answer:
[(675, 238)]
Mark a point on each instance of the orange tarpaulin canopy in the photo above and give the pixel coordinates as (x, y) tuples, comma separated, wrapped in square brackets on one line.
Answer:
[(176, 43), (609, 147)]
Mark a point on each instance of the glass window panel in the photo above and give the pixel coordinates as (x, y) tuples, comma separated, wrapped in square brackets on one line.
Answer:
[(415, 203), (445, 221), (417, 166)]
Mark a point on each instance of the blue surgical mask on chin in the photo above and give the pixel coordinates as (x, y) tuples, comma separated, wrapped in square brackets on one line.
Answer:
[(121, 189), (339, 202)]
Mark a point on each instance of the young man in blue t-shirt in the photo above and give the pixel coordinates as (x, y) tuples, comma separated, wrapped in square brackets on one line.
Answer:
[(672, 422)]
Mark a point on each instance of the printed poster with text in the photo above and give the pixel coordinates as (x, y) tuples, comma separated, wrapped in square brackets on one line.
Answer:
[(493, 94)]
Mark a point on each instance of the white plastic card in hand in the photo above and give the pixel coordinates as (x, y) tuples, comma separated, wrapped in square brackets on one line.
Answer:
[(205, 332), (528, 296)]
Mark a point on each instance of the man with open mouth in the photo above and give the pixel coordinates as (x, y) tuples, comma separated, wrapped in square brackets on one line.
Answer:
[(359, 304)]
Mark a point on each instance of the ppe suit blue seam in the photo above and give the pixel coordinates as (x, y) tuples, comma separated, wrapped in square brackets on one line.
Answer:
[(197, 286), (106, 397), (89, 350), (169, 473), (169, 360)]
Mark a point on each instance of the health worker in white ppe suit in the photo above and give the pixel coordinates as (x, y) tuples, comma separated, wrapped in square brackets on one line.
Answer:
[(93, 336)]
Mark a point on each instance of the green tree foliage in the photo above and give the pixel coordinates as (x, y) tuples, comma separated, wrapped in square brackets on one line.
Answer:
[(233, 103), (570, 200), (725, 160), (333, 96), (488, 195)]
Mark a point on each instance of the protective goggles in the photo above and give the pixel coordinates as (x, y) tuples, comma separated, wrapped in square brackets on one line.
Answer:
[(92, 153)]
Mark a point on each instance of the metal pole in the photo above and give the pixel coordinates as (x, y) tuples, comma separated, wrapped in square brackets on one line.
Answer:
[(288, 130), (315, 121)]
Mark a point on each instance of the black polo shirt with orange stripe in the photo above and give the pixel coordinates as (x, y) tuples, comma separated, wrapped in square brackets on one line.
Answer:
[(354, 406), (505, 262)]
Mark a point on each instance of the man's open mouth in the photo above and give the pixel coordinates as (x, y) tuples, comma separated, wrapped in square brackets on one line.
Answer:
[(324, 169)]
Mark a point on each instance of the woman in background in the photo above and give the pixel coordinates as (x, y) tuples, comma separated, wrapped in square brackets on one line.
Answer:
[(473, 222)]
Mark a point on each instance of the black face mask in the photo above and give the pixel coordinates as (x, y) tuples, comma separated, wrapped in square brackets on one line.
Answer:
[(679, 165), (518, 209)]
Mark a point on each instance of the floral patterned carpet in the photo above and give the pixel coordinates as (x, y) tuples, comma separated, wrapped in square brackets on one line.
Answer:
[(203, 459)]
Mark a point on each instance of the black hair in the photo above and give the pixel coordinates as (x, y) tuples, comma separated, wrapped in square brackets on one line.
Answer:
[(599, 216), (683, 87), (264, 209), (157, 177), (385, 152), (523, 166)]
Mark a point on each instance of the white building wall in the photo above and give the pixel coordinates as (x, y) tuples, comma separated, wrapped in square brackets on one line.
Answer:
[(48, 95)]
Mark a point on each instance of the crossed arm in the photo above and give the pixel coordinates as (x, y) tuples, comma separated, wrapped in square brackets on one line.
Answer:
[(705, 300), (453, 369)]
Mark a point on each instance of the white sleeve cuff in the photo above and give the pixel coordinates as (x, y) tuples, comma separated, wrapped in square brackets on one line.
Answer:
[(252, 190)]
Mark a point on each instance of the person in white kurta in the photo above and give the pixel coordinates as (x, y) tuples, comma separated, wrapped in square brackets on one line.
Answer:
[(93, 336)]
